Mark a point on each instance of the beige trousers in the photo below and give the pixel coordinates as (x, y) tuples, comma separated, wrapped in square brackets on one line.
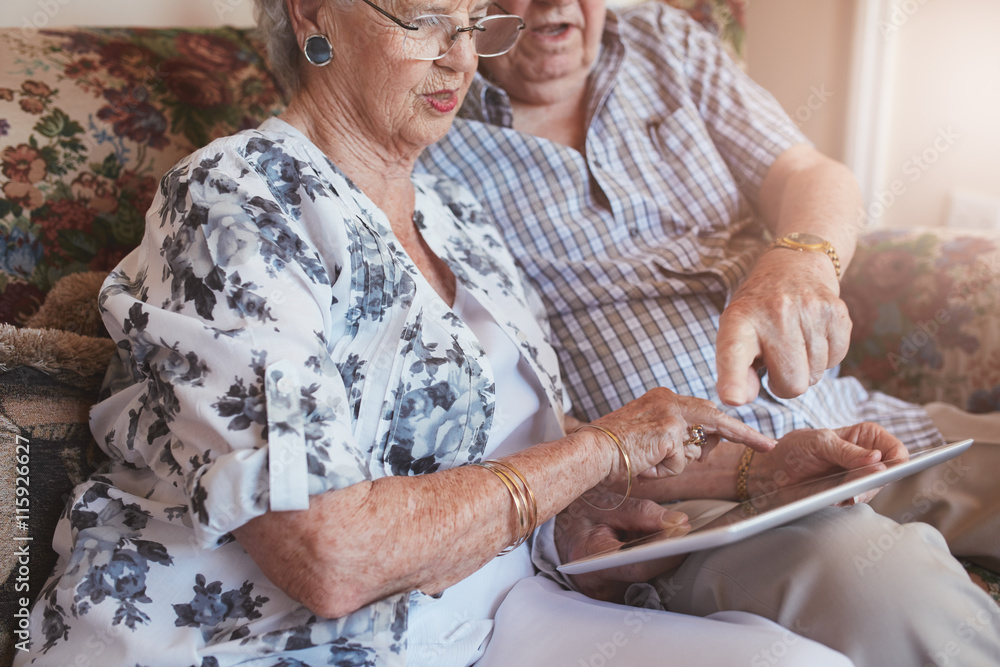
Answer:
[(960, 498), (883, 592), (880, 592)]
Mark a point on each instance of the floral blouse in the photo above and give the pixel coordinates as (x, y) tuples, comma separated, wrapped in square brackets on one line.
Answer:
[(275, 341)]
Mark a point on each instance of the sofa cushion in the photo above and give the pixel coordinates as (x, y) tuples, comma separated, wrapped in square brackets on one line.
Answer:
[(90, 120), (926, 310)]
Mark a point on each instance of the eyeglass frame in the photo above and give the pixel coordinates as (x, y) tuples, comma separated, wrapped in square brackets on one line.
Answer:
[(458, 31)]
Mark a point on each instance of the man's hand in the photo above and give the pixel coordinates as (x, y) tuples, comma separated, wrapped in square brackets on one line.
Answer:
[(786, 316), (807, 454), (582, 530)]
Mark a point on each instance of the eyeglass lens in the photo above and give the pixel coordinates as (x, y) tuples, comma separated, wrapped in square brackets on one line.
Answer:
[(436, 34)]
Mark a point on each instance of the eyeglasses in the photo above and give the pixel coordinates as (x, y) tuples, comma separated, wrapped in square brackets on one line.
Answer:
[(431, 36)]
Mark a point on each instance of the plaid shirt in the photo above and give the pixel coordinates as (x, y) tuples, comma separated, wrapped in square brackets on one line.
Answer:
[(637, 244)]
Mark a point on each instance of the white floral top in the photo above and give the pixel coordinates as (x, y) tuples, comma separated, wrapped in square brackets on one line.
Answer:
[(275, 341)]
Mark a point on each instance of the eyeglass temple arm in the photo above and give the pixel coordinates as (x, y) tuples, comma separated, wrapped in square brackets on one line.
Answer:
[(405, 26), (502, 9), (520, 27)]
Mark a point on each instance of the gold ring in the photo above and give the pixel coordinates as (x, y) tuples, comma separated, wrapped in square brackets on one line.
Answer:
[(697, 436)]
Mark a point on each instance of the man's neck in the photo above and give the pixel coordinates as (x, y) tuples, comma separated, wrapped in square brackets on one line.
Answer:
[(562, 119)]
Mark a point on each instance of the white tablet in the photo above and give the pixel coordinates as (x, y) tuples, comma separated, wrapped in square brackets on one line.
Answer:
[(766, 511)]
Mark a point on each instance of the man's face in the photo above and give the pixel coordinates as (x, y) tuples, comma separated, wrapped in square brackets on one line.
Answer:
[(557, 48)]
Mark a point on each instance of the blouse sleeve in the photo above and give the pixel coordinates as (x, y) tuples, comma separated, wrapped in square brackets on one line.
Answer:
[(224, 318)]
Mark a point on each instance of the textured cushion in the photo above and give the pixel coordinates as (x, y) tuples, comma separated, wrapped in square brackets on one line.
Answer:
[(90, 120), (48, 381), (926, 311)]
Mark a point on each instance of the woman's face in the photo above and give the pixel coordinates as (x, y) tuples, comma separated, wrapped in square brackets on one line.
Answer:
[(557, 48), (389, 97)]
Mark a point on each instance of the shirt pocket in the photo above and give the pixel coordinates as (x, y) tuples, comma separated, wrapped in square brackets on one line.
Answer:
[(691, 170)]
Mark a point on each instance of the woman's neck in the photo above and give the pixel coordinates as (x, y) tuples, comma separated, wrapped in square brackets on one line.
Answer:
[(381, 172)]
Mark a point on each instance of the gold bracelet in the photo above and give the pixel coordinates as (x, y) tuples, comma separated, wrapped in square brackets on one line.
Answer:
[(524, 501), (628, 466), (529, 497), (743, 475)]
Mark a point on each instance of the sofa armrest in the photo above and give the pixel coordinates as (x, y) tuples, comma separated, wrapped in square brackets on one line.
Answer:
[(926, 310)]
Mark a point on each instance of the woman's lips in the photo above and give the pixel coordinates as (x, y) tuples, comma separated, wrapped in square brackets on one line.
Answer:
[(442, 100)]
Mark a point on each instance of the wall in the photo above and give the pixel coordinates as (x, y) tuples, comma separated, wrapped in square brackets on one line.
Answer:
[(944, 73), (53, 13), (800, 51), (945, 98)]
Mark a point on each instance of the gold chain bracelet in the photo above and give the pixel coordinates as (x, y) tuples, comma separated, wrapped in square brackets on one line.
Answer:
[(743, 476)]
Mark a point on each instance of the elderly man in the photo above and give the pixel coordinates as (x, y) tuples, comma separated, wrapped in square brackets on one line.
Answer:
[(656, 197)]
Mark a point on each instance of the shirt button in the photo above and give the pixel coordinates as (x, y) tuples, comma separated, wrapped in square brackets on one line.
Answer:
[(284, 386)]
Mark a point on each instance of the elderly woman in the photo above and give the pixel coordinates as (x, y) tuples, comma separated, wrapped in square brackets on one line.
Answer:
[(313, 347)]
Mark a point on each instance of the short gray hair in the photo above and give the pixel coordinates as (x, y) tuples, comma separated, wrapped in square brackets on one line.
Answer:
[(275, 28)]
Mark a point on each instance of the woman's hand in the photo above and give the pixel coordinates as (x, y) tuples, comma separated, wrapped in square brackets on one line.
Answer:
[(654, 427), (581, 530), (806, 454)]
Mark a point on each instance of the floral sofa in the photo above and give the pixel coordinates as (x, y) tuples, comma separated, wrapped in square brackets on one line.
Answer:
[(91, 118)]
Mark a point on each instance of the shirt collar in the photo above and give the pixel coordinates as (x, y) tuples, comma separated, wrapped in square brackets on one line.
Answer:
[(486, 102)]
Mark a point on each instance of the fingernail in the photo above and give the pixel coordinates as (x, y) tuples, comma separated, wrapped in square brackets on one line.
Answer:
[(728, 393), (672, 518)]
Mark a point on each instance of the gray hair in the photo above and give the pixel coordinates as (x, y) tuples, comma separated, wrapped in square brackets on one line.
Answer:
[(275, 28)]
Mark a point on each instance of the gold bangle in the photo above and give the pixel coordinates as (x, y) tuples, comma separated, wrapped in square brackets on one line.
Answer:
[(529, 497), (628, 466), (523, 497), (521, 520), (743, 475)]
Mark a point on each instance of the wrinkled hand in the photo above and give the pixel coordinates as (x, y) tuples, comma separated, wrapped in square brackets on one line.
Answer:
[(582, 531), (788, 316), (654, 427), (806, 454)]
